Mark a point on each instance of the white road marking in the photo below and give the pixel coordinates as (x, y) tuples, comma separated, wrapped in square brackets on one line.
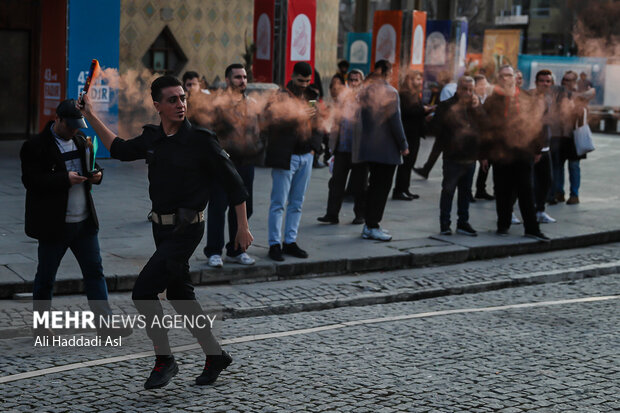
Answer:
[(246, 339)]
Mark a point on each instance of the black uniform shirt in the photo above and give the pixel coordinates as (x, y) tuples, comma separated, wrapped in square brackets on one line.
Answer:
[(180, 166)]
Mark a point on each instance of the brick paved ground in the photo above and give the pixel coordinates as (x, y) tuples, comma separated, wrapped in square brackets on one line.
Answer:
[(560, 358)]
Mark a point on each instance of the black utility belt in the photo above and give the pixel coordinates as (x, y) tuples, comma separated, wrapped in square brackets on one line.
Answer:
[(182, 216)]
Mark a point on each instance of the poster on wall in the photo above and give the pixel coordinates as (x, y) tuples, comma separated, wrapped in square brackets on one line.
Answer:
[(301, 29), (500, 47), (263, 40), (52, 71), (418, 37), (437, 61), (102, 43), (359, 46), (386, 40)]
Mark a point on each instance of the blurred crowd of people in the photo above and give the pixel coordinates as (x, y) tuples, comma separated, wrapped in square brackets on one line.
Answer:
[(369, 133)]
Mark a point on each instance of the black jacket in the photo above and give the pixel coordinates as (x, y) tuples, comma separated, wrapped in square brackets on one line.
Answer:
[(457, 130), (180, 167), (289, 136), (46, 179), (413, 116), (512, 127)]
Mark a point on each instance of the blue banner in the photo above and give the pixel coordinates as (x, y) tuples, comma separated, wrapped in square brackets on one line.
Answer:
[(94, 33), (594, 68), (359, 50)]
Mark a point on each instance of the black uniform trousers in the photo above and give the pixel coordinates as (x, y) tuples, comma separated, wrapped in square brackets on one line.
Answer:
[(508, 179), (338, 181), (168, 269), (379, 185)]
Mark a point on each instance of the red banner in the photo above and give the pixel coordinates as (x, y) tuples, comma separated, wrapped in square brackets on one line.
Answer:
[(386, 40), (53, 68), (264, 11), (300, 33), (418, 37)]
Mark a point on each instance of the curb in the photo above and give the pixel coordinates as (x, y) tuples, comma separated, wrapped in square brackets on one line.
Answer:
[(543, 277), (416, 258)]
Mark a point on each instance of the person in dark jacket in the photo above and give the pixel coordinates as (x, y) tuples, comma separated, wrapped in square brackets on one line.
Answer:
[(457, 131), (380, 142), (181, 159), (513, 124), (293, 137), (413, 114), (345, 114), (57, 171), (235, 121)]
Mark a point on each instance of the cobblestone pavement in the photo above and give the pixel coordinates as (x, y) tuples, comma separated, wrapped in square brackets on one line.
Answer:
[(325, 292), (547, 358)]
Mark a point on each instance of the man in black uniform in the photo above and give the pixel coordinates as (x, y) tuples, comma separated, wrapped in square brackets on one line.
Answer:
[(181, 159)]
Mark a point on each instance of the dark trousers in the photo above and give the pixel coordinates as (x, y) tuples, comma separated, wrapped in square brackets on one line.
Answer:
[(379, 185), (508, 179), (338, 181), (455, 175), (216, 212), (433, 156), (82, 239), (481, 179), (543, 178), (403, 173), (168, 269)]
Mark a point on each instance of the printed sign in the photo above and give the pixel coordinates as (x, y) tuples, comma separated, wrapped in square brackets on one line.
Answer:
[(301, 28), (101, 43), (263, 39), (417, 42), (53, 64), (386, 39), (358, 51)]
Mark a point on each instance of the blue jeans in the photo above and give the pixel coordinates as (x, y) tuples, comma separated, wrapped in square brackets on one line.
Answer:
[(455, 175), (289, 188), (218, 203), (574, 177), (82, 239)]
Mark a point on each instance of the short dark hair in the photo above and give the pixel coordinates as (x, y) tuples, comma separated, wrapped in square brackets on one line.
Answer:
[(161, 83), (344, 63), (302, 69), (230, 68), (543, 72), (383, 66), (190, 75), (478, 78)]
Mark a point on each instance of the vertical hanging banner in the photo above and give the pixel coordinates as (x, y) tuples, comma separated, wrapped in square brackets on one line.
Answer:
[(52, 72), (418, 37), (94, 30), (358, 51), (460, 50), (264, 11), (300, 34), (386, 39)]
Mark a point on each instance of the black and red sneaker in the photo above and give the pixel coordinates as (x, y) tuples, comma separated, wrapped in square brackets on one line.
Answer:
[(213, 367), (165, 369)]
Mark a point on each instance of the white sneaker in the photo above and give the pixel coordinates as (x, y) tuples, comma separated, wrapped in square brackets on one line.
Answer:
[(216, 261), (376, 234), (242, 258), (514, 220), (544, 218)]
